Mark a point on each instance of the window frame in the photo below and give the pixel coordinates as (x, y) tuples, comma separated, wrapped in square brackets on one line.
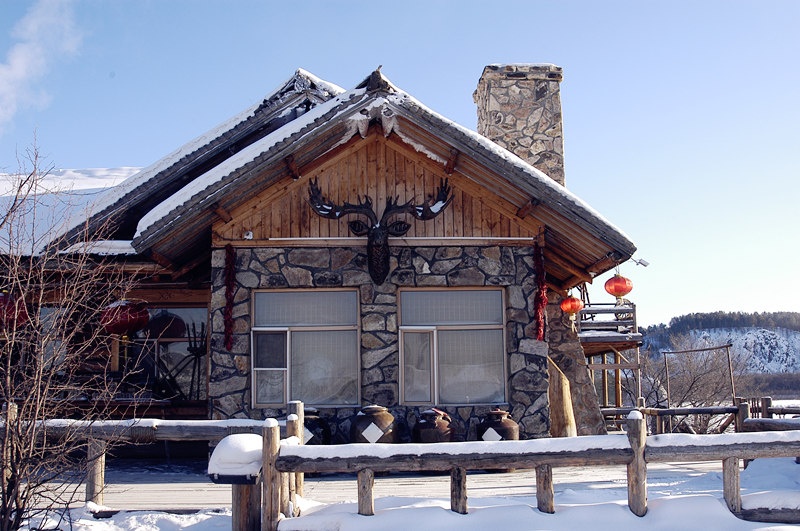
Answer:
[(434, 361), (256, 329)]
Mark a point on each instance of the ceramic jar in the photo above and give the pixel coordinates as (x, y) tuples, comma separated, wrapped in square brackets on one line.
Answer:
[(498, 426), (433, 426), (373, 424)]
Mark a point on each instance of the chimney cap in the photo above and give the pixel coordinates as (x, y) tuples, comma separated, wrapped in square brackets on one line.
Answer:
[(546, 71)]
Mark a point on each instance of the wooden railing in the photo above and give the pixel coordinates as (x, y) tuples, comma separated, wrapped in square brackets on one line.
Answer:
[(745, 408), (608, 317), (538, 454), (262, 505)]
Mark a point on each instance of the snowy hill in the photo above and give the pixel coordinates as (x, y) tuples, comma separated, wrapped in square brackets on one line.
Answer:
[(775, 350), (767, 351)]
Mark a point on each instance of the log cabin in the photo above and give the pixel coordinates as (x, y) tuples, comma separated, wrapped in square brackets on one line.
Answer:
[(353, 247)]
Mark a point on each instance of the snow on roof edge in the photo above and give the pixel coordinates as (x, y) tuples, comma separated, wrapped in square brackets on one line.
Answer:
[(400, 97), (520, 163), (115, 194), (237, 161)]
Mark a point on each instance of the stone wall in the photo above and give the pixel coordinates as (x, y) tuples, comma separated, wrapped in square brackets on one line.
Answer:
[(272, 268), (519, 108), (567, 353)]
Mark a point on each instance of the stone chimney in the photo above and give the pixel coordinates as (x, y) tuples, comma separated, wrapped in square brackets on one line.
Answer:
[(519, 108)]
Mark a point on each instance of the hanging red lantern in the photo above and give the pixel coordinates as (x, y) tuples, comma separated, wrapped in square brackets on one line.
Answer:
[(13, 311), (618, 286), (124, 317), (571, 305)]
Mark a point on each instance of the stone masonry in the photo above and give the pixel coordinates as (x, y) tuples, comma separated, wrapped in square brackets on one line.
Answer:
[(519, 108), (279, 268)]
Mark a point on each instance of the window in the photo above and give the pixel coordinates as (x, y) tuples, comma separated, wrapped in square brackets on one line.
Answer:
[(452, 346), (305, 347)]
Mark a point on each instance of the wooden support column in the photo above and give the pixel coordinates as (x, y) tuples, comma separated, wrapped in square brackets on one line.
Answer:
[(289, 491), (730, 484), (744, 413), (115, 354), (637, 468), (96, 476), (766, 403), (366, 502), (458, 490), (545, 496), (271, 478), (245, 507), (11, 411), (295, 407)]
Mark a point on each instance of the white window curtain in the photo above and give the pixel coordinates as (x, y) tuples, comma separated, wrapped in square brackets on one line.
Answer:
[(306, 347), (452, 346)]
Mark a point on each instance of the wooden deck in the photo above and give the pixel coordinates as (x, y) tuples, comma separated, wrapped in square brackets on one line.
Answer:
[(186, 487)]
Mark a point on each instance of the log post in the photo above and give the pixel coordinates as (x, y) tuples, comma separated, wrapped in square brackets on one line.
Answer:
[(458, 490), (744, 413), (637, 468), (295, 407), (289, 498), (245, 507), (730, 484), (366, 502), (271, 478), (96, 474), (544, 489), (10, 411), (766, 403)]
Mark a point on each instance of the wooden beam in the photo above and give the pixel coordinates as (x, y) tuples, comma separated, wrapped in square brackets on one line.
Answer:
[(579, 274), (450, 165), (162, 260), (291, 165), (189, 266), (527, 208), (223, 214)]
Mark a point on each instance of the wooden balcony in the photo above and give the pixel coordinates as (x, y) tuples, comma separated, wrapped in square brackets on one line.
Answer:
[(606, 327), (606, 331)]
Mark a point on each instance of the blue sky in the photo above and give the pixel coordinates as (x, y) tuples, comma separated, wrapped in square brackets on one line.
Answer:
[(680, 118)]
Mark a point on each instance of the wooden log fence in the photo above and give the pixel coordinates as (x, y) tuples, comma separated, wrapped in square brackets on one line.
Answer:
[(541, 455), (262, 506), (664, 417)]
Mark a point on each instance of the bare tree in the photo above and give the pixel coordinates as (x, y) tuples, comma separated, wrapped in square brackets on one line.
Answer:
[(692, 375), (55, 356)]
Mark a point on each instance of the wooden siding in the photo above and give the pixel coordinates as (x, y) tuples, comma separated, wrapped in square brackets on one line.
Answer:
[(378, 167)]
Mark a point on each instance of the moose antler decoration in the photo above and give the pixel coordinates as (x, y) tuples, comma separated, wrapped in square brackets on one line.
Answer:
[(378, 231)]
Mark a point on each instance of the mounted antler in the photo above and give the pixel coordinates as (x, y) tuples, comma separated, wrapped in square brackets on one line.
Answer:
[(378, 232)]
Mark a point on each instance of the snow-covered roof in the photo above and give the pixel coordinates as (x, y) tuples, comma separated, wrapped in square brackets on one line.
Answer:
[(340, 118), (176, 198), (293, 97)]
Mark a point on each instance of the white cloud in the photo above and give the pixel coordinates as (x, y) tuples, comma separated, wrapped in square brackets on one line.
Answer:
[(45, 34)]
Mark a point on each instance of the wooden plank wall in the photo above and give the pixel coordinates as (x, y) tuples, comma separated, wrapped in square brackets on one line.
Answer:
[(380, 168)]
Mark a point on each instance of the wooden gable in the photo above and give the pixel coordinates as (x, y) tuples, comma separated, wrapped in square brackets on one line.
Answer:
[(379, 167)]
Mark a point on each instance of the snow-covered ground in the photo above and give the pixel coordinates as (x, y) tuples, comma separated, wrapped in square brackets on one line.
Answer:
[(685, 500)]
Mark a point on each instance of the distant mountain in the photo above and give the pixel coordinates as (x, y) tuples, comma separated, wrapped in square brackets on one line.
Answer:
[(768, 348), (65, 180)]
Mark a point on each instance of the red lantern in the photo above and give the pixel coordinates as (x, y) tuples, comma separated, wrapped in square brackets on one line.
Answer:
[(13, 311), (618, 286), (571, 305), (124, 317)]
